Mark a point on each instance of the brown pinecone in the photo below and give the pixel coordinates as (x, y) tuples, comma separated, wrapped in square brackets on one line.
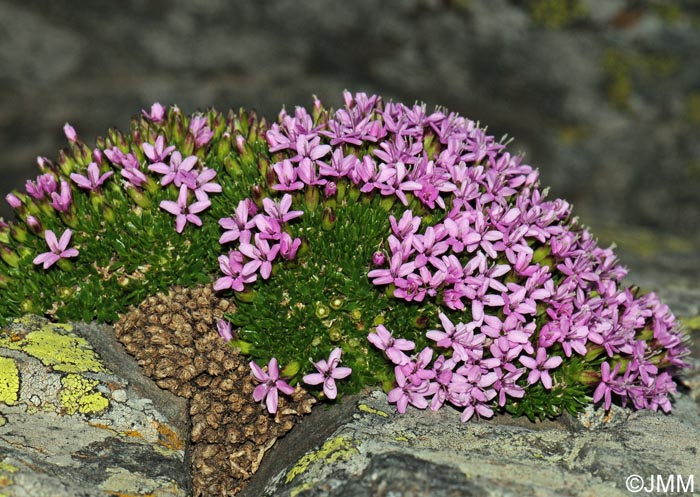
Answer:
[(175, 340)]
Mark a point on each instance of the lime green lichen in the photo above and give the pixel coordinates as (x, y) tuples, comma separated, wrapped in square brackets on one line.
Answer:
[(64, 352), (556, 14), (9, 381), (8, 468), (335, 449), (78, 396)]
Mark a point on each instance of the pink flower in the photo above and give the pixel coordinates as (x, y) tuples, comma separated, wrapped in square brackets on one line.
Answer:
[(157, 152), (70, 133), (178, 172), (328, 372), (392, 347), (270, 384), (224, 328), (185, 213), (234, 274), (539, 367), (62, 201), (93, 180), (157, 113), (58, 249)]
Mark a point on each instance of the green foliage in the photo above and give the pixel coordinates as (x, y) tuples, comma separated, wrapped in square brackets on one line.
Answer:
[(128, 245), (325, 300)]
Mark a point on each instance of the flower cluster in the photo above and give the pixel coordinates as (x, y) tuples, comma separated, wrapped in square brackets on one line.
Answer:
[(532, 286), (261, 239), (398, 218)]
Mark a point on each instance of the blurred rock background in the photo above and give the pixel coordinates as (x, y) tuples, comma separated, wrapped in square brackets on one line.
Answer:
[(602, 95)]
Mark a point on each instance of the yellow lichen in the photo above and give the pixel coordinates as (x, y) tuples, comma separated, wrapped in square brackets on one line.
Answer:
[(371, 410), (9, 381), (78, 396), (335, 449), (555, 14), (63, 351)]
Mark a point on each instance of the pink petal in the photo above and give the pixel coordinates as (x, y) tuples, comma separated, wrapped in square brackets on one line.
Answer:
[(272, 400), (260, 392), (51, 241), (65, 239), (330, 389), (341, 372), (313, 379), (171, 207), (258, 372)]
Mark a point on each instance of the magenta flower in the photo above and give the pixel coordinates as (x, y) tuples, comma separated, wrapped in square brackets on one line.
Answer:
[(392, 347), (93, 180), (178, 172), (204, 184), (70, 133), (608, 384), (13, 200), (261, 256), (539, 367), (185, 213), (224, 328), (235, 276), (158, 151), (289, 247), (62, 201), (328, 372), (157, 113), (58, 249), (408, 392), (201, 132), (280, 210), (270, 384), (287, 177), (236, 224)]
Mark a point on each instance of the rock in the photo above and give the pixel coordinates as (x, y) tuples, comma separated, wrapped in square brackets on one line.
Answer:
[(78, 419), (376, 452)]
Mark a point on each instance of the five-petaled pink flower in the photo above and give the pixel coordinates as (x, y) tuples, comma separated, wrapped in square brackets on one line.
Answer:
[(328, 372), (269, 385), (539, 367), (178, 172), (59, 249), (185, 213), (158, 151), (93, 180)]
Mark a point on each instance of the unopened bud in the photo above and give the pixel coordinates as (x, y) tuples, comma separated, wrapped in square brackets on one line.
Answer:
[(9, 256), (328, 219), (330, 189), (290, 370), (378, 258), (335, 334)]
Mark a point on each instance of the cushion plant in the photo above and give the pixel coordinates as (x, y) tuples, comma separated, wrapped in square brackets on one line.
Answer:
[(378, 244)]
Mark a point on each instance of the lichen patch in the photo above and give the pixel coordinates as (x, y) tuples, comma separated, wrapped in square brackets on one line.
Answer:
[(9, 381)]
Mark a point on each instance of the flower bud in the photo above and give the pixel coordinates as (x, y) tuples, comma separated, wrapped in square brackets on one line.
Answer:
[(19, 233), (188, 145), (246, 295), (4, 281), (311, 198), (378, 258), (140, 198), (9, 256), (70, 133), (223, 148), (330, 189), (34, 224), (290, 370), (232, 166), (243, 347), (240, 144), (328, 219), (27, 306), (13, 200)]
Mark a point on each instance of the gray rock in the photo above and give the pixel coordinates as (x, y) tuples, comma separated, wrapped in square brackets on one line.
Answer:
[(380, 453), (79, 420)]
